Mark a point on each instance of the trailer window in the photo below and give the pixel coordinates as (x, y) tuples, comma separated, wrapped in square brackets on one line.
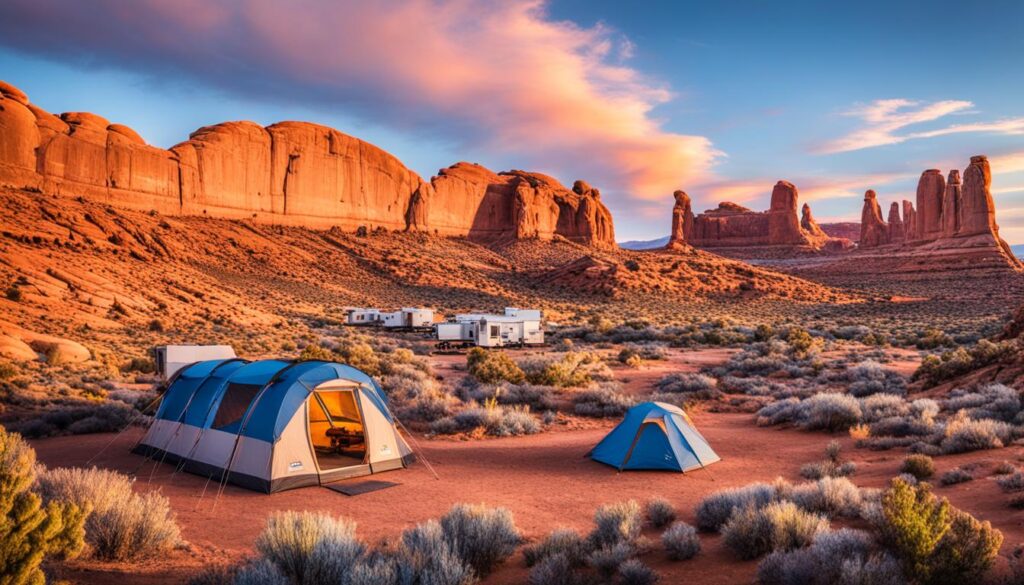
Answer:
[(494, 331)]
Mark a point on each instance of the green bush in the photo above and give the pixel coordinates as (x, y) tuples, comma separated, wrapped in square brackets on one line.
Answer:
[(966, 552), (120, 524), (920, 466), (29, 533), (493, 367), (913, 523)]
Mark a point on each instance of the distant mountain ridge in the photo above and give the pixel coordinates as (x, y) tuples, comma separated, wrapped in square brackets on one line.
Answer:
[(644, 244)]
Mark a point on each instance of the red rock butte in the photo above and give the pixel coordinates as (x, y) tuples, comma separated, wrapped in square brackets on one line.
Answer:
[(289, 173)]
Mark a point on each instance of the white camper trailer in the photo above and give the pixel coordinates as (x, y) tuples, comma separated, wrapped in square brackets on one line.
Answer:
[(171, 358), (364, 317), (409, 318), (503, 331), (516, 328)]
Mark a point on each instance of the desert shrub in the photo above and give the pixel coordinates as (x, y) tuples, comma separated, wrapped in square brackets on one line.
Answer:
[(260, 572), (7, 370), (121, 524), (538, 398), (913, 523), (832, 496), (965, 552), (647, 351), (920, 466), (681, 541), (482, 537), (846, 557), (635, 572), (426, 557), (574, 369), (497, 421), (1004, 468), (715, 509), (215, 575), (607, 559), (660, 512), (1013, 482), (955, 476), (493, 367), (30, 532), (936, 369), (752, 532), (614, 523), (562, 542), (827, 468), (700, 386), (881, 406), (869, 377), (603, 401), (309, 547), (826, 411), (105, 417), (554, 569), (992, 401), (964, 434)]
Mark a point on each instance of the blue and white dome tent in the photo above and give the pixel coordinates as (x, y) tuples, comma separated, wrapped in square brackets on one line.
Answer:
[(273, 425), (655, 435)]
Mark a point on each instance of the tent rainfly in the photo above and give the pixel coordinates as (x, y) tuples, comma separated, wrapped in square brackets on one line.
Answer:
[(654, 435), (273, 425)]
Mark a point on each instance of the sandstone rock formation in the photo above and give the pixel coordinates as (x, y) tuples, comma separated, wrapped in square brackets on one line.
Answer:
[(897, 231), (931, 190), (291, 173), (909, 220), (682, 220), (954, 223), (978, 210), (952, 205), (873, 230), (783, 226), (808, 224)]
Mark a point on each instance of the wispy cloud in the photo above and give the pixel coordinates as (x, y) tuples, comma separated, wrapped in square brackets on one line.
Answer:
[(757, 192), (886, 121), (502, 79)]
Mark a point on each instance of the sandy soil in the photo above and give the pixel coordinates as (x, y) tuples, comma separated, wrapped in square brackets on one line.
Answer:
[(546, 481)]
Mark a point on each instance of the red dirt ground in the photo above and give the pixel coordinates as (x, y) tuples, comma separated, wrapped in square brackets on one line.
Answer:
[(544, 479)]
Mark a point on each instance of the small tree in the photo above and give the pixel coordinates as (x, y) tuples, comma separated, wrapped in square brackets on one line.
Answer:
[(966, 552), (28, 531), (913, 523), (493, 367)]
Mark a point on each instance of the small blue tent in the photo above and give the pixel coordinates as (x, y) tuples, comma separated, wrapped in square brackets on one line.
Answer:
[(654, 435)]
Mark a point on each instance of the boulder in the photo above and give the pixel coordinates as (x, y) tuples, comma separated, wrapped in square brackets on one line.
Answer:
[(930, 193), (874, 231), (952, 205), (682, 219)]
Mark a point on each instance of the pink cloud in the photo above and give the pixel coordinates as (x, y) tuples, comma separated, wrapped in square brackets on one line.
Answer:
[(500, 76)]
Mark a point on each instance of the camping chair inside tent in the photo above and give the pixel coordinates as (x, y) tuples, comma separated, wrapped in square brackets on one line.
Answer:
[(654, 435)]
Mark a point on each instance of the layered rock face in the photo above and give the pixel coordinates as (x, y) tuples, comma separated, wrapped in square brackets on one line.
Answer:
[(897, 230), (732, 225), (931, 189), (290, 173), (682, 220)]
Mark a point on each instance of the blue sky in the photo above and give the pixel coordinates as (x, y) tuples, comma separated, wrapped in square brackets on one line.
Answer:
[(719, 99)]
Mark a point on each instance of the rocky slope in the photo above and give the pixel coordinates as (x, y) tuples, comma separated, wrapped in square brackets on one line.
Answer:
[(289, 173)]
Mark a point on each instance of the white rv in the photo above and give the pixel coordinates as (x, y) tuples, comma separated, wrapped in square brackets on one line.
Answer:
[(363, 317), (409, 318), (171, 358), (503, 330), (517, 327)]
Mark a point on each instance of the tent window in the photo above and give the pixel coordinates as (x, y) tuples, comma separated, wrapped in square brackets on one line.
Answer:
[(232, 407)]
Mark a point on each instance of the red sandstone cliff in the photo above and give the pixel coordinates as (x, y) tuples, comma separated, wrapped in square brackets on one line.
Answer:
[(292, 173)]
